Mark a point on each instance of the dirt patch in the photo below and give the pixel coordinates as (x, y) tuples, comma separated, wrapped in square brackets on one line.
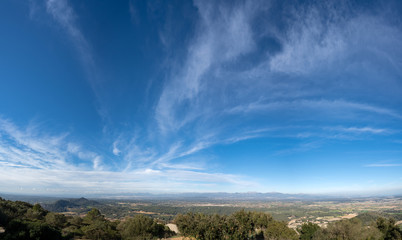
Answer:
[(349, 216), (144, 212), (173, 227)]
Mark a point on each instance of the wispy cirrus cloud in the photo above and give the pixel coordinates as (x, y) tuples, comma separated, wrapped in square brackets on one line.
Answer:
[(224, 33), (310, 41), (328, 34), (64, 15), (318, 72), (211, 83), (384, 165), (133, 12), (107, 182), (325, 106), (362, 130), (29, 147), (54, 164), (308, 71)]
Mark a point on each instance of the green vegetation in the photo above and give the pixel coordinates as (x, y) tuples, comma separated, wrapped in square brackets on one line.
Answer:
[(254, 225), (25, 221), (388, 228), (22, 220), (80, 205), (279, 230), (142, 227), (308, 230), (319, 212), (240, 225)]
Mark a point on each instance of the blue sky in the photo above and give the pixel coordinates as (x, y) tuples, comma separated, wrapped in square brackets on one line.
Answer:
[(116, 97)]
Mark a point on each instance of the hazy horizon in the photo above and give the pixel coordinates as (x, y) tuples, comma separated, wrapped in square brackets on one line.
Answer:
[(212, 196), (200, 96)]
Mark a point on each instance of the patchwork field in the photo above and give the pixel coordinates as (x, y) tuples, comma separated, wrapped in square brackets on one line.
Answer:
[(294, 212)]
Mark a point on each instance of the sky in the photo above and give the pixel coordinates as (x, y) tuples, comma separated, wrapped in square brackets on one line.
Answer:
[(125, 97)]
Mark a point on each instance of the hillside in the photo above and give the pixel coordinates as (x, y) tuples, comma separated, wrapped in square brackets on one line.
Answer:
[(74, 204), (21, 220)]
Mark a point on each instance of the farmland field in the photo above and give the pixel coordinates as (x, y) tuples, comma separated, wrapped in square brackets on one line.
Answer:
[(295, 212)]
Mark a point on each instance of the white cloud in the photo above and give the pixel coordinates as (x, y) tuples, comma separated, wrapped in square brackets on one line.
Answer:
[(204, 91), (29, 147), (97, 161), (116, 150), (308, 43), (362, 130), (47, 163), (315, 105), (64, 14), (106, 182), (384, 165), (328, 36), (150, 171), (216, 95), (198, 165), (208, 86), (223, 35)]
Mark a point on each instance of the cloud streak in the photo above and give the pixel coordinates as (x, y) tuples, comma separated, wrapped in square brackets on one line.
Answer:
[(316, 42), (65, 16), (315, 105), (384, 165), (106, 182), (312, 75), (321, 72), (53, 164), (29, 148), (224, 34), (327, 34)]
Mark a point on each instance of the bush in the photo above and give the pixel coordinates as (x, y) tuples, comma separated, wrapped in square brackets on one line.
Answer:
[(307, 230), (280, 231), (142, 227)]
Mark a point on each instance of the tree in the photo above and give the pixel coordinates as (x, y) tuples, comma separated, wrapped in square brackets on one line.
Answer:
[(186, 224), (278, 230), (36, 212), (3, 218), (99, 230), (261, 220), (244, 225), (307, 230), (25, 229), (345, 229), (142, 227), (97, 227), (389, 228), (56, 220), (93, 215)]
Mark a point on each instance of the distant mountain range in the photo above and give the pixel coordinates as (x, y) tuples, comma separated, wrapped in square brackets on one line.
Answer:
[(224, 196), (217, 196), (64, 204)]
